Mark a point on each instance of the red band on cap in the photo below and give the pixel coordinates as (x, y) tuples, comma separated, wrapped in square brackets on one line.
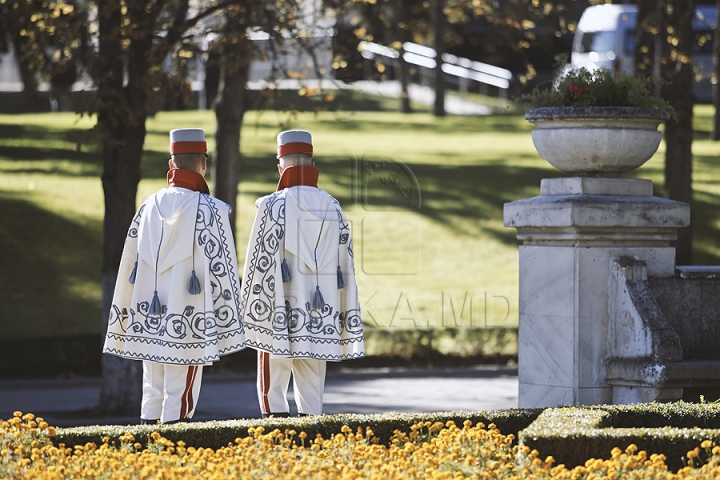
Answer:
[(295, 147), (188, 147)]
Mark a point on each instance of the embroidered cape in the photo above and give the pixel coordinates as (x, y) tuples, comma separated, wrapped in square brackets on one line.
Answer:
[(179, 242), (302, 234)]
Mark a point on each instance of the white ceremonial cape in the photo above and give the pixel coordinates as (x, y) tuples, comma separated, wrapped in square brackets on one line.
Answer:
[(175, 232), (307, 228)]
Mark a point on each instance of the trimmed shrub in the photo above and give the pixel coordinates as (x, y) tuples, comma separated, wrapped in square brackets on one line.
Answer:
[(574, 435), (221, 433)]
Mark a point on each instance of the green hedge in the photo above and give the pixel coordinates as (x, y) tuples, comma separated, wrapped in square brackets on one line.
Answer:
[(219, 433), (570, 435), (574, 435)]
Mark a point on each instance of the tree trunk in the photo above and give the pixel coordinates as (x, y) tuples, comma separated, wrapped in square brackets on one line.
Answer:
[(715, 133), (404, 77), (403, 34), (121, 122), (677, 72), (229, 113), (438, 24), (122, 380)]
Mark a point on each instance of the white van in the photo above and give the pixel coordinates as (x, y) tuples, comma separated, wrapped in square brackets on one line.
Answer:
[(605, 37)]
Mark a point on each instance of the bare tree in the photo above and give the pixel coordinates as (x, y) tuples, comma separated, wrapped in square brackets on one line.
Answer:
[(121, 174), (128, 49), (278, 21), (235, 53)]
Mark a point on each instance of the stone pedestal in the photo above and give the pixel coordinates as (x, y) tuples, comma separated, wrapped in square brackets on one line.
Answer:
[(572, 234)]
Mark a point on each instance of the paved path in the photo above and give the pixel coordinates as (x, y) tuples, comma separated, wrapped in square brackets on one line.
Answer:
[(67, 403), (454, 104), (423, 95)]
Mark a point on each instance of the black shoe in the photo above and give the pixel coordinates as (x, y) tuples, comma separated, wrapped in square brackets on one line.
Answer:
[(149, 422), (276, 415)]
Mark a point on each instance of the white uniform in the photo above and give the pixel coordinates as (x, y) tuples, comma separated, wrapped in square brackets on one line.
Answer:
[(176, 304), (314, 315)]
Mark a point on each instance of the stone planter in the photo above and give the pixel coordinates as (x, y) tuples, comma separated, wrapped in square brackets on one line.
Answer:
[(596, 141), (576, 313)]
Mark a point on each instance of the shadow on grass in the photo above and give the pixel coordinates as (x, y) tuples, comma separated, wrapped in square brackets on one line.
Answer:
[(45, 257), (705, 218), (343, 122), (461, 197), (37, 147)]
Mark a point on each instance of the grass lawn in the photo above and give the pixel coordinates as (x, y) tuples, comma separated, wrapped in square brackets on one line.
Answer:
[(424, 196)]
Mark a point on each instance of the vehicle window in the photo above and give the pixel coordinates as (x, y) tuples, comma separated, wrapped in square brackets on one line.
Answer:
[(595, 42), (629, 42)]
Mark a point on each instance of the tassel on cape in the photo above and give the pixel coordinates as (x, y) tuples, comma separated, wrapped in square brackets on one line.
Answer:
[(340, 279), (155, 307), (318, 300), (194, 285), (285, 271), (133, 275)]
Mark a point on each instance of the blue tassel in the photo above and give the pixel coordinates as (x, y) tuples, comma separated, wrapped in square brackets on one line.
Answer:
[(133, 275), (194, 285), (318, 300), (155, 307), (340, 278), (285, 271)]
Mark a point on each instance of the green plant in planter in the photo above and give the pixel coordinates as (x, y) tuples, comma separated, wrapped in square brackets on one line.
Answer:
[(602, 87)]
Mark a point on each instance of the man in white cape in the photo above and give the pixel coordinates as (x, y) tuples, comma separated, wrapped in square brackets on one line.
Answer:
[(176, 304), (299, 290)]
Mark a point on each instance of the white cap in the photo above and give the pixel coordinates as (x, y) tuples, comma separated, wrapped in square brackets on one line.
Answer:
[(187, 140), (294, 141)]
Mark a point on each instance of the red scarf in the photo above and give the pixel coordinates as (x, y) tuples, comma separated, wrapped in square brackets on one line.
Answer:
[(296, 176), (190, 179)]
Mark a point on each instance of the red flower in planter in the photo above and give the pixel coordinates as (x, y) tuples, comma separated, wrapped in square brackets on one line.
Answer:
[(575, 91)]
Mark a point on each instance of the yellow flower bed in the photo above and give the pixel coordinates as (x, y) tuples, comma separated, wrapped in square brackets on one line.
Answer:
[(438, 451)]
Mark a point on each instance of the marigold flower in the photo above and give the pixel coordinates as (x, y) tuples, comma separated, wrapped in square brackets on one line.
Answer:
[(450, 453)]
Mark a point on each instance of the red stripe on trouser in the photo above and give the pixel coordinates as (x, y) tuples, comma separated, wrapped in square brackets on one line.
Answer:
[(186, 404), (191, 398), (264, 376)]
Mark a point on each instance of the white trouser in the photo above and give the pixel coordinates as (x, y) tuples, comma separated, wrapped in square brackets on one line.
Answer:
[(170, 392), (274, 378)]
